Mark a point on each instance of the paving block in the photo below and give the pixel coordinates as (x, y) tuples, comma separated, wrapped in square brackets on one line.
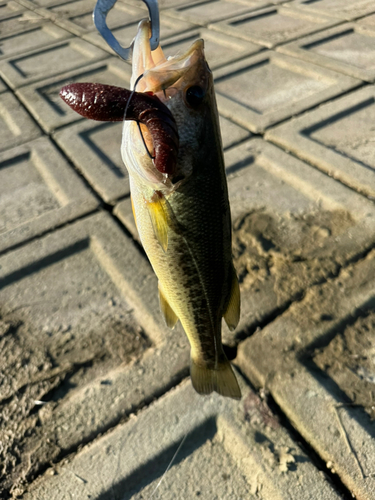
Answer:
[(288, 219), (79, 313), (342, 9), (210, 11), (19, 21), (94, 148), (231, 134), (219, 49), (43, 100), (274, 25), (76, 16), (337, 138), (38, 191), (33, 38), (10, 7), (231, 450), (289, 86), (349, 48), (63, 10), (126, 33), (16, 126), (55, 59), (322, 372)]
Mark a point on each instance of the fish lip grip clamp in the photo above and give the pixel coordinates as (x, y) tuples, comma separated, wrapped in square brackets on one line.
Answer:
[(100, 13)]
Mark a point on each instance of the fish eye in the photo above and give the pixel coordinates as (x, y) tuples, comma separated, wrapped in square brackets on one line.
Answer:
[(195, 96)]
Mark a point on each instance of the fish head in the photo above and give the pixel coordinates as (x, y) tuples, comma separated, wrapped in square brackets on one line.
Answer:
[(184, 83)]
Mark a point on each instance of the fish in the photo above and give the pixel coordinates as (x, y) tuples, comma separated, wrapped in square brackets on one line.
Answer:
[(180, 200)]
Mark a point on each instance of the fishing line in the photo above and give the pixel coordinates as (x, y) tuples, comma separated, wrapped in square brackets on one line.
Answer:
[(138, 124), (169, 466), (131, 95)]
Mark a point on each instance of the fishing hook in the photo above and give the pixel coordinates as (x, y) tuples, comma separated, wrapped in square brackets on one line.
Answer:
[(100, 13)]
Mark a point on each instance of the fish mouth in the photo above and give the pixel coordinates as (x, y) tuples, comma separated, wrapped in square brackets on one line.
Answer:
[(159, 73), (169, 79)]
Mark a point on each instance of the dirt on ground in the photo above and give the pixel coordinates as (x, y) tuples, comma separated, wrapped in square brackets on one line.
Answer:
[(38, 375), (293, 252), (349, 359)]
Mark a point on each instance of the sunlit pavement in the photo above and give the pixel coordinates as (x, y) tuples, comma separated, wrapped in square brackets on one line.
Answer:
[(95, 391)]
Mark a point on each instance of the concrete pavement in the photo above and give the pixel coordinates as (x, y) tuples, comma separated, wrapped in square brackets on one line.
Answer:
[(94, 389)]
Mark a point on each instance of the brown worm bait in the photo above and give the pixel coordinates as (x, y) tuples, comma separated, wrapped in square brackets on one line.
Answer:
[(108, 103)]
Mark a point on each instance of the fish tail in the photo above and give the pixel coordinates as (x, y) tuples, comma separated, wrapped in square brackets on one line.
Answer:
[(222, 379)]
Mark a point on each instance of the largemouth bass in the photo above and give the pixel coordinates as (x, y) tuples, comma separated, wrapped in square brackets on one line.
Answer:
[(181, 209), (183, 219)]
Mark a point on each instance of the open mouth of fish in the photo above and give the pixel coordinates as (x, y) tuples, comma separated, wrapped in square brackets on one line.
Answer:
[(151, 109), (160, 73)]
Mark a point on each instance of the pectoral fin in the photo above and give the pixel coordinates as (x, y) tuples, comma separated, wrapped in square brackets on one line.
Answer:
[(232, 313), (158, 209), (168, 313)]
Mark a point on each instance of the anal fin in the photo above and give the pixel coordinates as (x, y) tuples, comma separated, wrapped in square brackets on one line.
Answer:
[(170, 316), (232, 313)]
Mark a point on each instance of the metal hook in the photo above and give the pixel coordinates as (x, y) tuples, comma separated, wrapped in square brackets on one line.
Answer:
[(100, 13)]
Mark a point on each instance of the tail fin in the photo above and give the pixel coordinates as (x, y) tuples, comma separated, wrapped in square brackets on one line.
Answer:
[(222, 380)]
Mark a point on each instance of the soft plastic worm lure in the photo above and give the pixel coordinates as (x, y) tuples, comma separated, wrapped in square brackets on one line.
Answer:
[(108, 103)]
